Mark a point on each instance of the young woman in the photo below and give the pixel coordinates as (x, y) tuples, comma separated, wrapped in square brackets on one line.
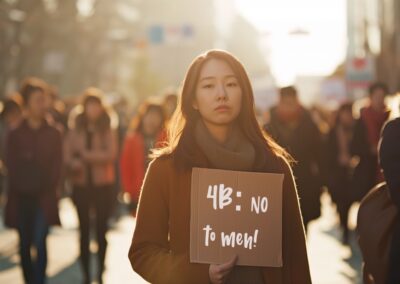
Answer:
[(90, 154), (34, 162), (215, 127), (147, 130)]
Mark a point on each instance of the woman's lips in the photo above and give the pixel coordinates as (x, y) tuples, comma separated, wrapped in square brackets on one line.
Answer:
[(222, 108)]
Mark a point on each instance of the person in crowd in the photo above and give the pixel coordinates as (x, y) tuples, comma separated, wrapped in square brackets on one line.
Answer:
[(389, 155), (10, 117), (34, 162), (90, 154), (340, 165), (292, 127), (368, 128), (147, 132), (170, 103), (215, 127)]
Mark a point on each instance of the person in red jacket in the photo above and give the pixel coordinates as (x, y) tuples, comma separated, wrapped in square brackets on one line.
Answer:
[(147, 132)]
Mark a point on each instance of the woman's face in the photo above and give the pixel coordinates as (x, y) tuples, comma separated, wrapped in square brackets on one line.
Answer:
[(378, 99), (218, 95), (93, 110), (37, 104), (289, 104), (152, 123), (346, 118)]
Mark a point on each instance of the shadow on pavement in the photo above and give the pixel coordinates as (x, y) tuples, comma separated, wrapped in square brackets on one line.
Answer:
[(6, 262), (8, 251), (69, 274), (354, 259)]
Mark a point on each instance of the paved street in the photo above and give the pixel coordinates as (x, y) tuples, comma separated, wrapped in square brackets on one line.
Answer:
[(331, 263)]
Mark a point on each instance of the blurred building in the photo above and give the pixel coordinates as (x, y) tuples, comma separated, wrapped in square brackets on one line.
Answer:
[(363, 45), (388, 61), (135, 48), (373, 51), (171, 33)]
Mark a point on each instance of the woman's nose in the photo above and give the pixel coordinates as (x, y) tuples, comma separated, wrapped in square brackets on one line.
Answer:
[(221, 93)]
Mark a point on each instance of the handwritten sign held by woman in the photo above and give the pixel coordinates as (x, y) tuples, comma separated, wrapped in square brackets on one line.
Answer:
[(236, 213)]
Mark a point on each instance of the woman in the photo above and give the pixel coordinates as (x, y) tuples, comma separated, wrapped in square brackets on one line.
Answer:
[(90, 153), (214, 124), (147, 131), (340, 165)]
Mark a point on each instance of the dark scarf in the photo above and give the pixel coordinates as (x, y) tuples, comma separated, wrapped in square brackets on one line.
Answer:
[(237, 154)]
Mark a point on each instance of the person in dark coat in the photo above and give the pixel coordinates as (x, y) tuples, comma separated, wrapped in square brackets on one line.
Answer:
[(292, 127), (390, 162), (339, 164), (366, 137), (33, 159)]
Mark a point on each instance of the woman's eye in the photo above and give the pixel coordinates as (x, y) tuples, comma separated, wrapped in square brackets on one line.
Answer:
[(208, 86), (232, 84)]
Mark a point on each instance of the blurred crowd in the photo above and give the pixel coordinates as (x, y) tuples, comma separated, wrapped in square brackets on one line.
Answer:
[(97, 154)]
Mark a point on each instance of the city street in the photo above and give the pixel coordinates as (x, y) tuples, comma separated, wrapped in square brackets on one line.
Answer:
[(91, 92), (330, 262)]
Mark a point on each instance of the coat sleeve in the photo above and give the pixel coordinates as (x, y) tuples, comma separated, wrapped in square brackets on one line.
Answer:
[(150, 255), (68, 148), (389, 153), (132, 166), (125, 164), (295, 259), (11, 159), (57, 161)]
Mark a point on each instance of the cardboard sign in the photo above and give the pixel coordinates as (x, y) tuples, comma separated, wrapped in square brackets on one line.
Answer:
[(236, 213)]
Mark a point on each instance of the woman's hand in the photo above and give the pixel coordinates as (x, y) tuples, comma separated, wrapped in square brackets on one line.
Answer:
[(219, 272)]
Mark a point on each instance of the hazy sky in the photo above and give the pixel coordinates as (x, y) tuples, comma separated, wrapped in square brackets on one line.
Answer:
[(316, 53)]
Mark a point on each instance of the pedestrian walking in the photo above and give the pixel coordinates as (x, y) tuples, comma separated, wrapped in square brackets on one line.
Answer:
[(291, 125), (90, 153), (34, 162), (366, 138)]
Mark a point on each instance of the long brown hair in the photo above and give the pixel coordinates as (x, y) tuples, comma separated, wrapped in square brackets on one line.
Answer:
[(103, 123), (180, 131), (136, 124)]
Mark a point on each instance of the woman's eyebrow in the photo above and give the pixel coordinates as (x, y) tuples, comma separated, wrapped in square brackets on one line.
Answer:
[(230, 76), (207, 78), (213, 77)]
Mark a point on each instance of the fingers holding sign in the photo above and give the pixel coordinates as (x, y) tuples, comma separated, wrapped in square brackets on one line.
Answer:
[(219, 272)]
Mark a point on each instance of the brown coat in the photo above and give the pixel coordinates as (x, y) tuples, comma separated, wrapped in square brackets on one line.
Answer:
[(161, 241), (101, 157)]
